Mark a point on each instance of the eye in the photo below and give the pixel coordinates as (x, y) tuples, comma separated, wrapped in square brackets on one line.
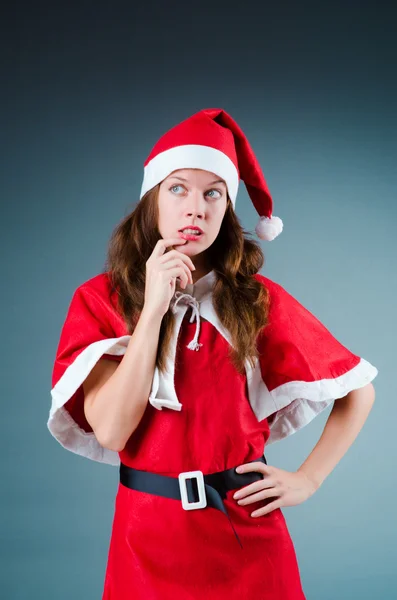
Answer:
[(178, 185), (214, 190), (175, 186)]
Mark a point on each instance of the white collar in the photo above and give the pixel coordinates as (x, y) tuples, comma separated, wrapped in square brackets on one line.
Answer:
[(198, 296), (201, 287)]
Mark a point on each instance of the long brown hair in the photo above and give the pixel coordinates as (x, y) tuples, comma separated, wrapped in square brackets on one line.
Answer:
[(239, 299)]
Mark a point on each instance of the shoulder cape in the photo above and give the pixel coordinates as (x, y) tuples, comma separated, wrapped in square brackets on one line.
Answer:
[(301, 368)]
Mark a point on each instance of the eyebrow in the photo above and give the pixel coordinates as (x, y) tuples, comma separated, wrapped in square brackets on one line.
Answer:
[(210, 183)]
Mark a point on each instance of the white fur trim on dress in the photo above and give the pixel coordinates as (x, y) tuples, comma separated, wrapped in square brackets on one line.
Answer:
[(293, 405), (60, 423), (288, 407)]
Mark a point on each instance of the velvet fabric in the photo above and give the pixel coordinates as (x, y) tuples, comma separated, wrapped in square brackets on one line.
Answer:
[(222, 419)]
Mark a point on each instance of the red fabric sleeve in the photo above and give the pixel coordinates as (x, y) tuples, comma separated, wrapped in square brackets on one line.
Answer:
[(303, 366), (93, 329)]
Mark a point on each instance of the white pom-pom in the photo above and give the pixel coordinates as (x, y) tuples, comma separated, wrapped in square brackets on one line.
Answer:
[(268, 228)]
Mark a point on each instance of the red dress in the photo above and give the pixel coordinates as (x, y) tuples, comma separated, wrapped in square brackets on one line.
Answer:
[(211, 421)]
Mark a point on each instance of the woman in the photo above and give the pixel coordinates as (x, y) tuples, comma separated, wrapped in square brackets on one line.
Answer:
[(180, 363)]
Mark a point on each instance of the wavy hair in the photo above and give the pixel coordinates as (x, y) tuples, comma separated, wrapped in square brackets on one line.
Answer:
[(240, 300)]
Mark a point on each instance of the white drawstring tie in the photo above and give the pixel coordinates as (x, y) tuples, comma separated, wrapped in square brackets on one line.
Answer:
[(191, 301)]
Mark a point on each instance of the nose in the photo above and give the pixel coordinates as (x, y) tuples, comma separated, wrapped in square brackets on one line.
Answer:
[(195, 205)]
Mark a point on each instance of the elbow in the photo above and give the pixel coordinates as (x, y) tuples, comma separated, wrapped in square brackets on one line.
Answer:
[(109, 442), (112, 442), (114, 447), (105, 437)]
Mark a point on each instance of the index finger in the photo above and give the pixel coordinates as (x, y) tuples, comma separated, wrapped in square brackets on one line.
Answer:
[(165, 243)]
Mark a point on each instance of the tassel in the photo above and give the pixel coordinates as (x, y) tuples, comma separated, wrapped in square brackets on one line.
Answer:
[(193, 345), (268, 228)]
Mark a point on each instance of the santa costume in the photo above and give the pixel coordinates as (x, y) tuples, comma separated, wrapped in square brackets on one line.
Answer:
[(177, 534)]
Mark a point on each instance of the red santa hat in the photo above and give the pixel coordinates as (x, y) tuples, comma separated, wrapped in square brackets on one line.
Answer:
[(211, 140)]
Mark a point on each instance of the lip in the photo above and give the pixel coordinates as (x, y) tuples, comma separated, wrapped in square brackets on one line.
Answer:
[(189, 236), (191, 227)]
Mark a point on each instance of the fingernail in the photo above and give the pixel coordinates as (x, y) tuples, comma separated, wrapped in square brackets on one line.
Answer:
[(239, 469)]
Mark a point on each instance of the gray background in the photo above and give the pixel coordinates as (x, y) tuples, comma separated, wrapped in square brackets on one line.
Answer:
[(87, 89)]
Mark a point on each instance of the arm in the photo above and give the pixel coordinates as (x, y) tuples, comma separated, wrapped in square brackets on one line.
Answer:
[(344, 423), (116, 395), (284, 488)]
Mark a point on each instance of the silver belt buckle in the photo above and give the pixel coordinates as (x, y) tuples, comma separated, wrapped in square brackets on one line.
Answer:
[(202, 501)]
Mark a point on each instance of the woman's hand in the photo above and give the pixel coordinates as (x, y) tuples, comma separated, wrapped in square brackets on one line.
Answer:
[(163, 268), (286, 487)]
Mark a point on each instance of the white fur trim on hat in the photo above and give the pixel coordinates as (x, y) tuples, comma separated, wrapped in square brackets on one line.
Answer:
[(191, 156)]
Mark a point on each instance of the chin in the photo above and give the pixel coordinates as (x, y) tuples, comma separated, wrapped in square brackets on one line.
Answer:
[(195, 253), (191, 250)]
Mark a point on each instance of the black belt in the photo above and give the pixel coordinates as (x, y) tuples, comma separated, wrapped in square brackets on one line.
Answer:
[(192, 488)]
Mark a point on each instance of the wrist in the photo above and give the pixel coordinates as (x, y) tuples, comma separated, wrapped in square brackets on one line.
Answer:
[(314, 481), (150, 318)]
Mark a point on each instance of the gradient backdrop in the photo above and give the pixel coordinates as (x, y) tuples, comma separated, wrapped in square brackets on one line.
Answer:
[(87, 88)]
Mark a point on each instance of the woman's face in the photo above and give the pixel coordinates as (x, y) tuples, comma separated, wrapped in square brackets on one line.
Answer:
[(196, 198)]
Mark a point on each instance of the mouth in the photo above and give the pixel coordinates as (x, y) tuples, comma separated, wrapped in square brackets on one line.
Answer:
[(190, 233)]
